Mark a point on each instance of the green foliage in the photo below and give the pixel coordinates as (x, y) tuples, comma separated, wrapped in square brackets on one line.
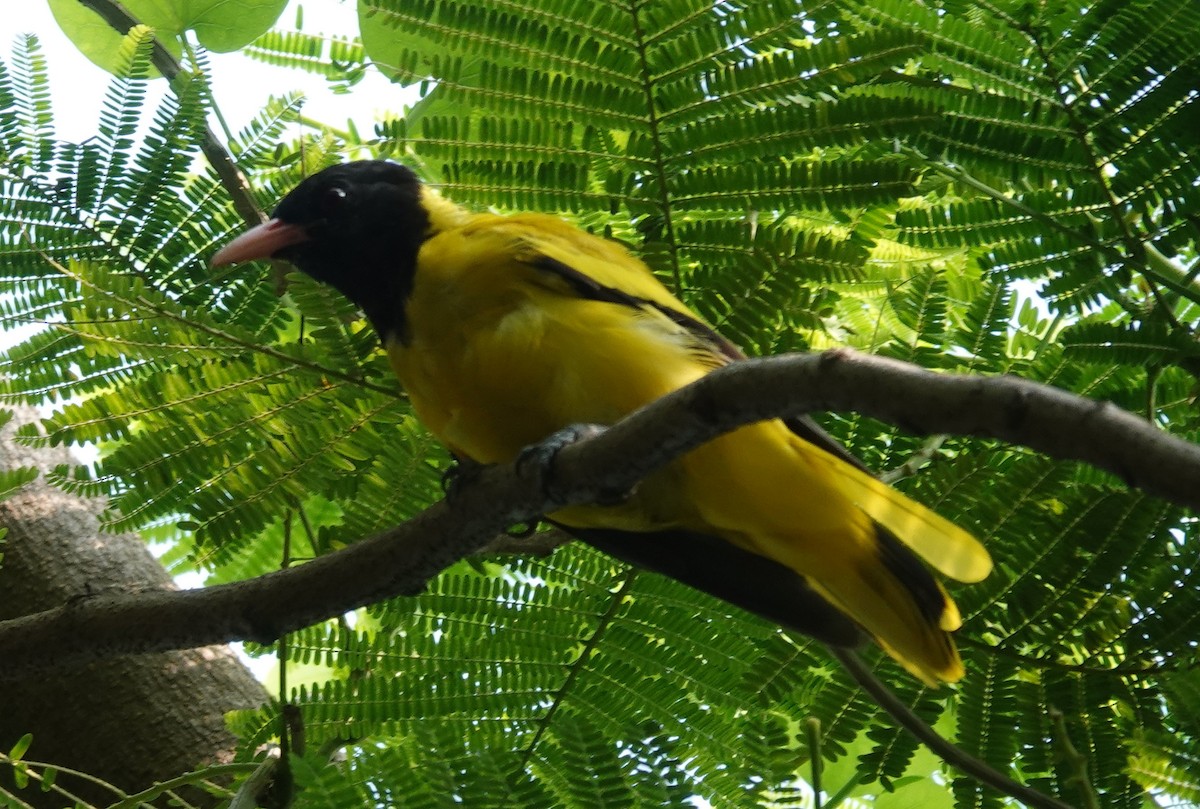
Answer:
[(209, 21), (997, 188), (33, 780)]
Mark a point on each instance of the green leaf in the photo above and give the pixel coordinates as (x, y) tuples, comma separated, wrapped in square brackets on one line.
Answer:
[(880, 174), (217, 25), (18, 750), (1129, 344), (1167, 763)]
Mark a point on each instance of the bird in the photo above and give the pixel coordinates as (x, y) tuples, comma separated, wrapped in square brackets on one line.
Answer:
[(504, 329)]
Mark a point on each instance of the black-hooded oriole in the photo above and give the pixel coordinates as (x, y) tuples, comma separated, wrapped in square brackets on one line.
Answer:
[(506, 329)]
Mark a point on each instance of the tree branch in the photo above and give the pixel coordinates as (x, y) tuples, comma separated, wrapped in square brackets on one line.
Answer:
[(401, 560), (953, 755), (232, 179)]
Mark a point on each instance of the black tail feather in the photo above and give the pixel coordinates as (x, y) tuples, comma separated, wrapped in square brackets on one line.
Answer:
[(911, 571), (754, 583)]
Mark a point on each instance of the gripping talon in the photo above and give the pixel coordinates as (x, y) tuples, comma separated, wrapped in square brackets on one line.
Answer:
[(542, 454), (459, 474)]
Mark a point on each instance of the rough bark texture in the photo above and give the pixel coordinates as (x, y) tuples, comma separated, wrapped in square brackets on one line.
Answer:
[(401, 560), (132, 720)]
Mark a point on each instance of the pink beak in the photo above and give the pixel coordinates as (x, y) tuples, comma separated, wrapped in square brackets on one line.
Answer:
[(259, 242)]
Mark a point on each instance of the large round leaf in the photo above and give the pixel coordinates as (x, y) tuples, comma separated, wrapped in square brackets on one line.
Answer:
[(219, 25)]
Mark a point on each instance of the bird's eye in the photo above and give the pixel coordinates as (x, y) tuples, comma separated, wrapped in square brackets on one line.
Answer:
[(333, 200)]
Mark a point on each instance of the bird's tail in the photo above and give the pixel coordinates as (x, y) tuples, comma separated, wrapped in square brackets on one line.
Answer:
[(893, 596)]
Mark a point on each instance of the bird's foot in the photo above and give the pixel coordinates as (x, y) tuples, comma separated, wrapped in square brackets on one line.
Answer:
[(459, 475), (539, 460)]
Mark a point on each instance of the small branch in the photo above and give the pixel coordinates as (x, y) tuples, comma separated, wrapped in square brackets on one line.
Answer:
[(218, 156), (953, 755), (1074, 761), (916, 461), (401, 560)]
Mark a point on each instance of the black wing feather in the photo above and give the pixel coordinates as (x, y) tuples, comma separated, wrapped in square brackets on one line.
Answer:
[(712, 565)]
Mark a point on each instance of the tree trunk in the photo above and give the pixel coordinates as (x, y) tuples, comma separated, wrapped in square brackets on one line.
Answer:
[(130, 721)]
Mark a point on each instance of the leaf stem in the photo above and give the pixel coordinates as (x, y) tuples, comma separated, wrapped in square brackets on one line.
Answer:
[(813, 726), (581, 662), (656, 138), (190, 50), (224, 336), (139, 799), (1075, 761), (313, 123), (836, 799), (1163, 270), (953, 755)]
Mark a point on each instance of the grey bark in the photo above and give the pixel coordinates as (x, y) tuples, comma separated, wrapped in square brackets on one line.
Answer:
[(131, 721), (402, 559)]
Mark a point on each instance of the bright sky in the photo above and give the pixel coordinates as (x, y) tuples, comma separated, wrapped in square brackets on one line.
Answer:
[(240, 85)]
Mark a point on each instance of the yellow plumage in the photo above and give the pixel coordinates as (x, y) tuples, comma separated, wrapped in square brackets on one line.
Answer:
[(504, 330), (499, 352)]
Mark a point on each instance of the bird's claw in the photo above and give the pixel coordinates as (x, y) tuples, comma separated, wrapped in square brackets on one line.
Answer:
[(542, 453), (539, 459), (459, 475)]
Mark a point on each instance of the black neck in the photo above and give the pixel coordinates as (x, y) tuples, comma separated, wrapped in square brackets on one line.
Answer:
[(386, 308)]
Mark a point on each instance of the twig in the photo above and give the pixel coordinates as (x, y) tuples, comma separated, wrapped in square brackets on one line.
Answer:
[(1076, 763), (218, 156), (953, 755), (916, 461)]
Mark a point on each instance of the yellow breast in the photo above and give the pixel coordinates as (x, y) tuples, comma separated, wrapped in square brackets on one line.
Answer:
[(498, 355)]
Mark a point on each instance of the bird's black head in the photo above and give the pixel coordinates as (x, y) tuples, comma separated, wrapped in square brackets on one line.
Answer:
[(357, 227)]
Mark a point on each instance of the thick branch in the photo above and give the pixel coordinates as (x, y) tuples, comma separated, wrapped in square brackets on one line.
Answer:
[(403, 559)]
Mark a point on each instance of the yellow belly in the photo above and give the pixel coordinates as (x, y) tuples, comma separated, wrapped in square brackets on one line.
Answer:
[(495, 387), (500, 380)]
